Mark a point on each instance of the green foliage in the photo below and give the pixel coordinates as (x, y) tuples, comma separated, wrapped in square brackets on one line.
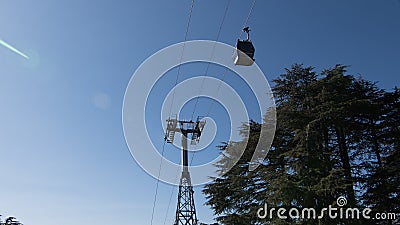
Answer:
[(337, 135)]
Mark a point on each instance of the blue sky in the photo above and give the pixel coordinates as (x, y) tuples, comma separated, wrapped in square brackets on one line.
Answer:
[(63, 155)]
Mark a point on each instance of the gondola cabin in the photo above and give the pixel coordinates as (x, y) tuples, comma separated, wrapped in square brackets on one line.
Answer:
[(244, 54)]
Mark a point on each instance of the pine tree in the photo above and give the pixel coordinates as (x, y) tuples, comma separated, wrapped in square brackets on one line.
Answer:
[(383, 190), (336, 135), (232, 195)]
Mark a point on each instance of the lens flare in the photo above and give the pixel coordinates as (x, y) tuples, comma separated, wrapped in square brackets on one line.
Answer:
[(5, 44)]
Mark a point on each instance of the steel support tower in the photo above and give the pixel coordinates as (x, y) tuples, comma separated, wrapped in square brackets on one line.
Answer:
[(185, 209)]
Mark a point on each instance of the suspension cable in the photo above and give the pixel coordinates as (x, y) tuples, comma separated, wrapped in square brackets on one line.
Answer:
[(212, 56), (170, 109), (248, 17), (202, 83), (158, 181), (217, 92), (181, 58), (197, 98), (226, 70), (170, 200)]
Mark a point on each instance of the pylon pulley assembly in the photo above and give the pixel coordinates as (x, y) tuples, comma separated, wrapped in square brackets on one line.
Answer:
[(185, 209)]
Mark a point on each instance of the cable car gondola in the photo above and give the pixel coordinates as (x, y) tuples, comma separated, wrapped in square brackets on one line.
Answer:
[(244, 54)]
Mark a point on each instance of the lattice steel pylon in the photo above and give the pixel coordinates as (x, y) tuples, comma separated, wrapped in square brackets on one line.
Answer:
[(185, 209)]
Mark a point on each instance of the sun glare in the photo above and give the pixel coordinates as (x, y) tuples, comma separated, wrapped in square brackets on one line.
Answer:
[(5, 44)]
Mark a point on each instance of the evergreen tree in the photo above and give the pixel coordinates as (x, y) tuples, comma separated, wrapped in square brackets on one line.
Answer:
[(383, 190), (336, 135), (232, 195)]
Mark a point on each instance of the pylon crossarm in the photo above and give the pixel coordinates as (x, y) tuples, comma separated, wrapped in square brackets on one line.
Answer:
[(185, 209)]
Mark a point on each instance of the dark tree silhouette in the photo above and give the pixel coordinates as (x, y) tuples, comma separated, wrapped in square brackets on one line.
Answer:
[(337, 135), (10, 221)]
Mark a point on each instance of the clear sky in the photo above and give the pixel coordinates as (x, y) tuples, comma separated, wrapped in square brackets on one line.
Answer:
[(63, 155)]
